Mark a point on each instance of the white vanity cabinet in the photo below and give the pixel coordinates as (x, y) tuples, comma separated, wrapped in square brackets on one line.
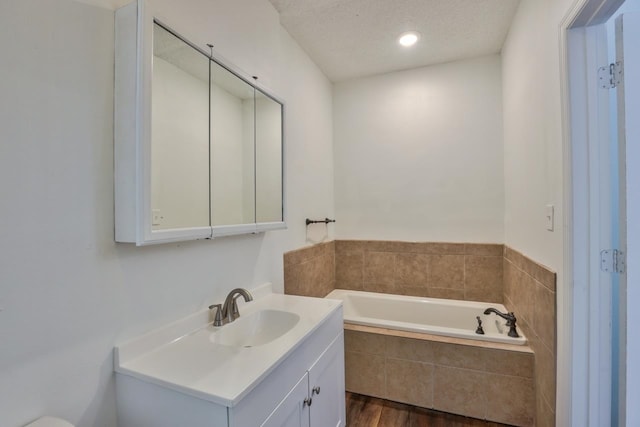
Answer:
[(318, 399), (303, 386), (302, 404)]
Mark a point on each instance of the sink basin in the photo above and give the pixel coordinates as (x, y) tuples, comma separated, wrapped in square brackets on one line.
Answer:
[(255, 329)]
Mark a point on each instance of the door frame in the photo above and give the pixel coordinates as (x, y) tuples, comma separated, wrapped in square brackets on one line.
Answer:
[(582, 368), (628, 53)]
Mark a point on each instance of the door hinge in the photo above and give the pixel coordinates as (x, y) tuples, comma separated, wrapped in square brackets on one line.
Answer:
[(610, 75), (612, 261)]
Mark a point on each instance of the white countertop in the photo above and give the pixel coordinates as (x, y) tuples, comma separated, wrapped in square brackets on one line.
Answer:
[(182, 356)]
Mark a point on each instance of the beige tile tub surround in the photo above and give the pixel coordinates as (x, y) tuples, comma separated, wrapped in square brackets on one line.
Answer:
[(530, 291), (460, 271), (444, 374), (477, 272), (310, 271)]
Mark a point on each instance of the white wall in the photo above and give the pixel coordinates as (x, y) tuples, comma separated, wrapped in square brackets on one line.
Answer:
[(532, 131), (68, 293), (532, 90), (418, 154)]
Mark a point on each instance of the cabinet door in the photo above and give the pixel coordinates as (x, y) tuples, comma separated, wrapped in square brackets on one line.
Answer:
[(293, 410), (326, 387)]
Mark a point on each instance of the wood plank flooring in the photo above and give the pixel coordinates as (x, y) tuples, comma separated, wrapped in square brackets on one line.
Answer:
[(365, 411)]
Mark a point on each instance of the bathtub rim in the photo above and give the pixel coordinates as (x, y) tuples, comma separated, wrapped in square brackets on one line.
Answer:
[(425, 335)]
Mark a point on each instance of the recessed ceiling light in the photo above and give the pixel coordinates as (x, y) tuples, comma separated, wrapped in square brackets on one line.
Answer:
[(409, 38)]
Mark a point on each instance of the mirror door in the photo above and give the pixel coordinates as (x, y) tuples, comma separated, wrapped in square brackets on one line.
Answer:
[(180, 134), (233, 179), (268, 140), (216, 146)]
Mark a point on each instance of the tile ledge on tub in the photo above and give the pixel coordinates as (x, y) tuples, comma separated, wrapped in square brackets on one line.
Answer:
[(438, 338)]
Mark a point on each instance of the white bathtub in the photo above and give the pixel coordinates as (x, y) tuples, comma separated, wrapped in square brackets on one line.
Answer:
[(451, 318)]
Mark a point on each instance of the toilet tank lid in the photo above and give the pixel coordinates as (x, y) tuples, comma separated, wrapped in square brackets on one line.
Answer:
[(49, 422)]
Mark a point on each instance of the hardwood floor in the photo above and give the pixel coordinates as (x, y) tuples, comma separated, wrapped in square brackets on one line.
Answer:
[(365, 411)]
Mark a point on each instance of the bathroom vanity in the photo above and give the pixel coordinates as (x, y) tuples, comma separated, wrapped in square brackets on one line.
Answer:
[(280, 364)]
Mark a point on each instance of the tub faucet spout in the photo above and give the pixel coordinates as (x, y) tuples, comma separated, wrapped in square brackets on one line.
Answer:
[(509, 317)]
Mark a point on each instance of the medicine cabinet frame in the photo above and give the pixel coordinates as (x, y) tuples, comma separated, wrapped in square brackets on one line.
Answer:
[(133, 137)]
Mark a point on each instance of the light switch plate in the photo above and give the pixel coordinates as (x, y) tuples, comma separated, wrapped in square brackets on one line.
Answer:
[(157, 217), (548, 216)]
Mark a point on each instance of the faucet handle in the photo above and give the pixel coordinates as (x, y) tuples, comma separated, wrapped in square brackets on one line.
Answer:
[(217, 320)]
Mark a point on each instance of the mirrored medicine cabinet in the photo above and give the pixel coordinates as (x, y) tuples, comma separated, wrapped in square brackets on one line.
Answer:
[(198, 145)]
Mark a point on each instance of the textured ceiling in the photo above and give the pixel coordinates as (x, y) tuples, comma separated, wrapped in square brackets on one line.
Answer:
[(355, 38)]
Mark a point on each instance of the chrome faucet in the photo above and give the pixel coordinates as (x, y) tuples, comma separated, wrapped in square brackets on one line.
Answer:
[(509, 317), (229, 312)]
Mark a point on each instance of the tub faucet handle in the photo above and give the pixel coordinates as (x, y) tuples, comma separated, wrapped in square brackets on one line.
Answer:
[(479, 329), (509, 317)]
